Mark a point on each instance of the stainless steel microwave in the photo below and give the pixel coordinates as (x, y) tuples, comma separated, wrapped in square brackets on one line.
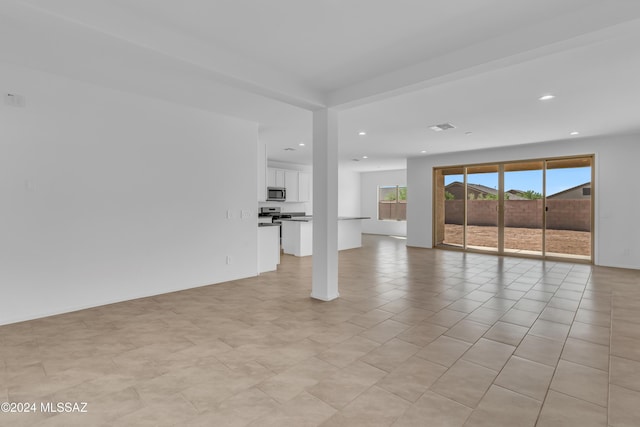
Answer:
[(276, 194)]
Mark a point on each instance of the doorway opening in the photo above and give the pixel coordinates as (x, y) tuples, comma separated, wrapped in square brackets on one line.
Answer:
[(537, 208)]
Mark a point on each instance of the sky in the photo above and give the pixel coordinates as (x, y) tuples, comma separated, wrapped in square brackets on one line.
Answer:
[(557, 179)]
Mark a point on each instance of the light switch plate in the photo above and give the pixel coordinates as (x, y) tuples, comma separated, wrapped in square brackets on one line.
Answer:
[(14, 100)]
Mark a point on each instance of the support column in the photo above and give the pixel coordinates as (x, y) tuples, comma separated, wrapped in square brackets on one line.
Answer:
[(325, 205)]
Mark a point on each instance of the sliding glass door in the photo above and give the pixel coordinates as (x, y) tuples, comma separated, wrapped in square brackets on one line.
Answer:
[(523, 208), (568, 208), (540, 208), (482, 208), (450, 195)]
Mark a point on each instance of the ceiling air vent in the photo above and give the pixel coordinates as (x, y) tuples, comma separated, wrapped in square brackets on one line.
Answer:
[(441, 127), (289, 149), (355, 160)]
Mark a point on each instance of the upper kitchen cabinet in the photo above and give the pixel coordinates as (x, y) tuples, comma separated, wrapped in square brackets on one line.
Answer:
[(271, 177), (298, 184), (292, 185), (304, 187), (281, 180), (275, 177)]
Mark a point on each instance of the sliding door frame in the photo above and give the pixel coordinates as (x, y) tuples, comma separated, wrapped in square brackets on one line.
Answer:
[(501, 209)]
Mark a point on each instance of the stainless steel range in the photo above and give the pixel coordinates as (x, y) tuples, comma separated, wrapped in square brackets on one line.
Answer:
[(267, 214), (276, 215)]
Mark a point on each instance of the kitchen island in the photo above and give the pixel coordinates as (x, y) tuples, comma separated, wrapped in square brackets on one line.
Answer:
[(297, 234)]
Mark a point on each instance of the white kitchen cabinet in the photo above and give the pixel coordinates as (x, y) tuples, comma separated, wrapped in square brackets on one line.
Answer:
[(275, 177), (281, 181), (298, 184), (292, 185), (271, 177), (304, 187)]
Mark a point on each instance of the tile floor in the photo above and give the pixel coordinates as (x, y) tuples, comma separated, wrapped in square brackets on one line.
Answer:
[(418, 338)]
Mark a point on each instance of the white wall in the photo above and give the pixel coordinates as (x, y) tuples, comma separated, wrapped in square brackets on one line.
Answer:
[(370, 181), (107, 196), (617, 209)]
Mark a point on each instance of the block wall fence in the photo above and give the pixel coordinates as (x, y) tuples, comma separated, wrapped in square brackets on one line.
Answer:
[(562, 214)]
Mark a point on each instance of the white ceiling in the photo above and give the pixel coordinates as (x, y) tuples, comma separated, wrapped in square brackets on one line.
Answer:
[(392, 68)]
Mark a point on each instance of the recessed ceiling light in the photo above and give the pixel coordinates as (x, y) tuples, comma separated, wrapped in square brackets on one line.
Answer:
[(301, 144), (574, 133), (423, 151), (365, 157), (546, 97), (362, 133)]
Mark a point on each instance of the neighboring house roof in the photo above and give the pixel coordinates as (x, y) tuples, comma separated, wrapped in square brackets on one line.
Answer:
[(477, 187), (586, 184), (513, 194), (483, 188)]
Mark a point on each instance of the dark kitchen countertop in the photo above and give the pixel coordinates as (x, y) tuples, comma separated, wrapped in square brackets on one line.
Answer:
[(268, 224), (310, 218)]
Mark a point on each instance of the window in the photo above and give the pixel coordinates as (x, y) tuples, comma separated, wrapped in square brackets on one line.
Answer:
[(392, 202), (537, 207)]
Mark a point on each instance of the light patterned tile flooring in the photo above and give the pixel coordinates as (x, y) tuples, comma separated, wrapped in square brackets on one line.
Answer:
[(418, 338)]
